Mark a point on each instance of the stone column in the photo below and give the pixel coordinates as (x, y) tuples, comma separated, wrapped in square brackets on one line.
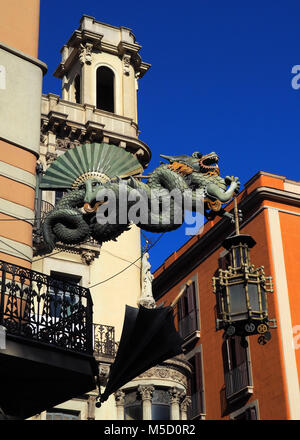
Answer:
[(85, 57), (119, 397), (65, 93), (146, 393), (175, 396), (184, 406), (91, 404)]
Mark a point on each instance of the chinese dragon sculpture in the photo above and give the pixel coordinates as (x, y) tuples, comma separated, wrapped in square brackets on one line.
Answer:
[(87, 169)]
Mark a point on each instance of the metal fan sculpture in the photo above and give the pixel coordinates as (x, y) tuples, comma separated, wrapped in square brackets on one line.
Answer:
[(101, 162), (83, 171)]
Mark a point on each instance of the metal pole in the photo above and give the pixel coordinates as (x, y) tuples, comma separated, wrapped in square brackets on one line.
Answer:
[(236, 217)]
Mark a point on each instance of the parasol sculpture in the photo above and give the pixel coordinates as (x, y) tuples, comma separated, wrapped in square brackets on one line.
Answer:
[(148, 338)]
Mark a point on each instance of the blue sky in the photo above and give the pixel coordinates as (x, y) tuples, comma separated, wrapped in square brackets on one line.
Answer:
[(220, 80)]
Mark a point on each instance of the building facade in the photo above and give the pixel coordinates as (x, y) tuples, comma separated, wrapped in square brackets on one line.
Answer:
[(31, 343), (100, 71), (231, 381)]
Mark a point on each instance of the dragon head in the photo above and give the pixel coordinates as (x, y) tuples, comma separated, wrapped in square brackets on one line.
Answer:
[(196, 162), (207, 162)]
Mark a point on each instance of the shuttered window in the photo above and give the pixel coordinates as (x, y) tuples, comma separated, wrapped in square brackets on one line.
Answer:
[(188, 313), (249, 414), (196, 388), (236, 366)]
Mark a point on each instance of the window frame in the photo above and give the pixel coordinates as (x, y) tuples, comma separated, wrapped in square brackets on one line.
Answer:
[(199, 412), (189, 302), (254, 404), (107, 68)]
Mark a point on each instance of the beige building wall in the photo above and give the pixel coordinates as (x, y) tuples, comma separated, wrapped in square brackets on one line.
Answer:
[(112, 270)]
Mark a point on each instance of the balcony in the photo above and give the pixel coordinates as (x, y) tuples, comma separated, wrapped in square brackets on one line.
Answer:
[(189, 328), (72, 124), (104, 341), (48, 353), (238, 382)]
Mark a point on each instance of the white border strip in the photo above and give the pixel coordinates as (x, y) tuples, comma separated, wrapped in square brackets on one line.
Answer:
[(17, 174), (291, 372)]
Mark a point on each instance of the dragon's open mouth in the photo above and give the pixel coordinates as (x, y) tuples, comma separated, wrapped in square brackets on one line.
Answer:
[(210, 161)]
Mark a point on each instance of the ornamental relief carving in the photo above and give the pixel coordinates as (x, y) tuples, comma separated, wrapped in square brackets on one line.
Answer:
[(126, 64), (164, 373), (146, 391), (66, 144), (119, 397), (85, 54)]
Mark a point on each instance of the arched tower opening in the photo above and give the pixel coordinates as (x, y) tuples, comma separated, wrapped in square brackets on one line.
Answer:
[(105, 89), (77, 86)]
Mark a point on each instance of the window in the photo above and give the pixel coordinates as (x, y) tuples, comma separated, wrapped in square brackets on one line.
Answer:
[(61, 299), (196, 388), (77, 89), (160, 405), (133, 406), (62, 414), (236, 367), (58, 195), (105, 89), (247, 413), (188, 313)]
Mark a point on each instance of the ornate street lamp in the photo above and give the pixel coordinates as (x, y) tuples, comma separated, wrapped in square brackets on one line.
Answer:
[(241, 291)]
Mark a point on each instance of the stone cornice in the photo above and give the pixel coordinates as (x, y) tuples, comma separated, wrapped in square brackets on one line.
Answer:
[(69, 133)]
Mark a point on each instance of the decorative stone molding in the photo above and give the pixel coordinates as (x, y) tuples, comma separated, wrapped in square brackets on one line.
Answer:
[(119, 397), (85, 54), (120, 400), (126, 64), (50, 157), (91, 407), (186, 402), (63, 133), (66, 144), (146, 391), (175, 395), (165, 373), (87, 257), (43, 139), (104, 370)]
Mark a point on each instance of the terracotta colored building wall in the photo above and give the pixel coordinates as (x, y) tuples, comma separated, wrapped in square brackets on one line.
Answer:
[(268, 369), (19, 24), (290, 231), (19, 29)]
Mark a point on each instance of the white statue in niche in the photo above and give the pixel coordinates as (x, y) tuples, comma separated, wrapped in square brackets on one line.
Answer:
[(146, 299)]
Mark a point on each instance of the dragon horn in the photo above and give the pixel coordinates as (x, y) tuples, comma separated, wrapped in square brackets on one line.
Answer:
[(169, 158)]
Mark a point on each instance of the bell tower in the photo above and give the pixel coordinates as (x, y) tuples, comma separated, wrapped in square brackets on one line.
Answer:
[(101, 67)]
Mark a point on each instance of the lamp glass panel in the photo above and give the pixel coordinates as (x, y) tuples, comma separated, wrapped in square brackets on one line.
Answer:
[(263, 299), (237, 298), (244, 255), (237, 257), (253, 296)]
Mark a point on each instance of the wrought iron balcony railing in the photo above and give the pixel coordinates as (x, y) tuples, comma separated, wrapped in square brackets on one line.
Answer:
[(104, 340), (41, 308), (238, 380), (188, 325)]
